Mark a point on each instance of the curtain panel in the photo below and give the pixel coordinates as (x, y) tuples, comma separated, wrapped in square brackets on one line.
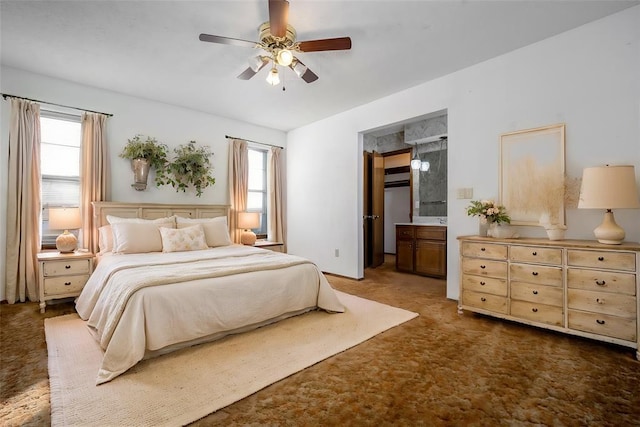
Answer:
[(238, 184), (23, 202), (276, 229), (93, 173)]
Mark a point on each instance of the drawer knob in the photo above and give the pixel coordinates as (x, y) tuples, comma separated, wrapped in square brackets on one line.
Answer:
[(67, 267), (483, 299), (534, 253), (600, 300), (482, 283), (600, 282), (67, 283), (483, 266), (600, 322), (535, 292), (482, 249), (535, 273), (535, 310), (600, 258)]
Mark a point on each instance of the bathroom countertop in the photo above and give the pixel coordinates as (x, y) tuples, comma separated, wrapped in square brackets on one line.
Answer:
[(421, 224)]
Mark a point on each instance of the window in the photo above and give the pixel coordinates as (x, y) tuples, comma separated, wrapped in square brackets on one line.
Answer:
[(59, 167), (257, 194)]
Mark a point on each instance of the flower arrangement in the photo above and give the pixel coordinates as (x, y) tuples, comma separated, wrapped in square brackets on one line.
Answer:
[(488, 211)]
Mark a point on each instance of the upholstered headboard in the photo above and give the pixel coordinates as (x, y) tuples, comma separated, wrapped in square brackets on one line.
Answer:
[(150, 211)]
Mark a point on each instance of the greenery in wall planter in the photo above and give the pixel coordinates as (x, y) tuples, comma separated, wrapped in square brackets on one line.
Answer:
[(143, 155), (191, 167)]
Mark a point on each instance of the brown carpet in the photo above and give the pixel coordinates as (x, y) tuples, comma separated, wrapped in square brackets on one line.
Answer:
[(438, 369)]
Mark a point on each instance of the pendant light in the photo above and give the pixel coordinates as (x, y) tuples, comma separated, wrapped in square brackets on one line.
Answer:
[(416, 163), (273, 78)]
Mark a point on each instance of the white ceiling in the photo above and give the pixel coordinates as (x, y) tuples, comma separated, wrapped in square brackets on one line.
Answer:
[(150, 49)]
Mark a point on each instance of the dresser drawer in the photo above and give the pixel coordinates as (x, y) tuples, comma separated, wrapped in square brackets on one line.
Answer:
[(64, 285), (484, 267), (540, 274), (70, 267), (603, 324), (485, 301), (484, 250), (606, 281), (548, 295), (537, 312), (602, 259), (404, 232), (536, 254), (488, 285), (602, 302)]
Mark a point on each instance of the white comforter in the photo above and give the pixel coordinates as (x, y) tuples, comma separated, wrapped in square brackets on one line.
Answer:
[(144, 303)]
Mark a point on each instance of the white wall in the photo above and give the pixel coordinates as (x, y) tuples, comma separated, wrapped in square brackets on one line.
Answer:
[(169, 124), (586, 78)]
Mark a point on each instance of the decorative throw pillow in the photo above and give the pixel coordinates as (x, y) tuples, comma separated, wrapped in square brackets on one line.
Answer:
[(132, 237), (216, 230), (183, 239)]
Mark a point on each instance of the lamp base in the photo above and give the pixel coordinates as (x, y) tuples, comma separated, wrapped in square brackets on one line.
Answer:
[(609, 232), (66, 242), (248, 238)]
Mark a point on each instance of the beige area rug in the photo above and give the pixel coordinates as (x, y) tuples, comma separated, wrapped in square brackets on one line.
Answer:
[(181, 387)]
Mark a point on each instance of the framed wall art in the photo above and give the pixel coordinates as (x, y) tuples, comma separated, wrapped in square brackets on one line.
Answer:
[(532, 175)]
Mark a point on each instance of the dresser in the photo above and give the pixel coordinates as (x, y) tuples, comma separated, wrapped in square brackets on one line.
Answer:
[(62, 275), (578, 287), (422, 249)]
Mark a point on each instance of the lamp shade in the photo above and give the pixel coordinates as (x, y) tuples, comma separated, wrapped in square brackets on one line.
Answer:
[(64, 218), (609, 187), (248, 220)]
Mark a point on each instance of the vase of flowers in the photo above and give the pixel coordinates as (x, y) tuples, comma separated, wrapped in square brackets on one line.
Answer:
[(489, 213)]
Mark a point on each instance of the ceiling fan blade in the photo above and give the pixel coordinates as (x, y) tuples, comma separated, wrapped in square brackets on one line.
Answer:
[(278, 17), (302, 71), (253, 70), (227, 40), (339, 43)]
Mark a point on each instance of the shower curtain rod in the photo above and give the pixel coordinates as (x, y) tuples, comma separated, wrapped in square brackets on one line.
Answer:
[(255, 142), (6, 95)]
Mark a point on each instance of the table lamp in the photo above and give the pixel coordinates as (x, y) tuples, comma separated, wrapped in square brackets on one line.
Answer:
[(609, 187), (65, 219), (247, 221)]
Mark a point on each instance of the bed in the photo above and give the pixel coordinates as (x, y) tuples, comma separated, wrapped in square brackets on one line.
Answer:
[(141, 302)]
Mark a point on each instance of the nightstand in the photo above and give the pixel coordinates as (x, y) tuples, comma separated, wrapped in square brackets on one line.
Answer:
[(62, 275), (272, 246)]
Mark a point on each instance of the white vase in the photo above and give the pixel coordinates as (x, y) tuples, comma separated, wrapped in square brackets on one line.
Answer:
[(502, 231), (556, 233)]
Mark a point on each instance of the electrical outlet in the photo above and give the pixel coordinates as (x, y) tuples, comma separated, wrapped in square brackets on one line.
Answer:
[(468, 193), (337, 253), (460, 193)]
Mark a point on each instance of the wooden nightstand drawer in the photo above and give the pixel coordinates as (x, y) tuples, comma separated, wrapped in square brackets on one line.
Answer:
[(537, 312), (64, 285), (70, 267), (602, 302), (602, 259), (485, 267), (484, 250), (488, 285), (485, 301), (540, 274), (536, 254), (605, 281), (539, 294), (603, 324)]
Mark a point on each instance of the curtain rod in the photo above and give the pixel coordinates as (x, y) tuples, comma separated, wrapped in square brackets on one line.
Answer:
[(255, 142), (6, 95)]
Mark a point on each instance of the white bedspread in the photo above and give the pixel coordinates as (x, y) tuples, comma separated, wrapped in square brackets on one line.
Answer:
[(136, 304)]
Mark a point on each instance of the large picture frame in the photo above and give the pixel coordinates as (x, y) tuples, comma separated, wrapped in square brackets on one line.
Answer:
[(532, 175)]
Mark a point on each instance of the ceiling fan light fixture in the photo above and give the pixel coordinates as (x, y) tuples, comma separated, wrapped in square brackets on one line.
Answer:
[(273, 78), (284, 57)]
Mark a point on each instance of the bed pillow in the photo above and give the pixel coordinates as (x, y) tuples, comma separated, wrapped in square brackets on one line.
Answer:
[(183, 239), (105, 239), (133, 238), (118, 220), (216, 230)]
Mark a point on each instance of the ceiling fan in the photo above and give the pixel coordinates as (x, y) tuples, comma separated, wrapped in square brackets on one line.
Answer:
[(278, 39)]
